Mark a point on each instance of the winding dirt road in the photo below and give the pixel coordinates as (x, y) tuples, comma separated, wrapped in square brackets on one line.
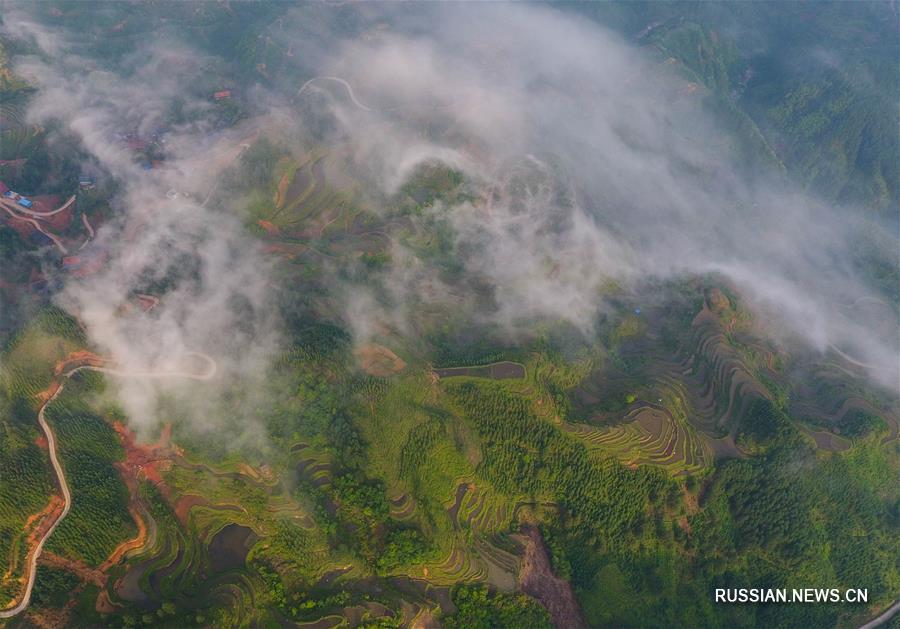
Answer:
[(12, 211), (67, 498), (336, 80), (35, 553), (850, 359), (90, 231), (62, 208)]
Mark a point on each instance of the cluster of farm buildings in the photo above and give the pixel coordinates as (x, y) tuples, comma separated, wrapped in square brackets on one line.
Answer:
[(44, 220), (41, 220)]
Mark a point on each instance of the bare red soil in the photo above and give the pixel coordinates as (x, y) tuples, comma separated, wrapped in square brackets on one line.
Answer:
[(131, 544), (142, 461), (35, 526), (78, 359), (38, 524), (57, 222), (22, 227), (269, 227), (49, 618), (147, 302), (288, 250)]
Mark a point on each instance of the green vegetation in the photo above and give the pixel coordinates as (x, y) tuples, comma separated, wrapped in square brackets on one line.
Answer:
[(764, 424), (88, 448), (432, 182), (859, 423), (52, 587), (26, 480), (665, 451), (25, 485), (478, 609), (409, 477)]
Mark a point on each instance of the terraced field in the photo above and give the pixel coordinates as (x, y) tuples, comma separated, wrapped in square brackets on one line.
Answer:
[(469, 399), (683, 410), (235, 535), (650, 435), (302, 195), (315, 213), (480, 509)]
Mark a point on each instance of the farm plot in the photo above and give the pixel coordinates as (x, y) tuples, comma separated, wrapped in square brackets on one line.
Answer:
[(480, 509), (462, 564), (315, 213), (651, 435), (504, 370), (304, 203)]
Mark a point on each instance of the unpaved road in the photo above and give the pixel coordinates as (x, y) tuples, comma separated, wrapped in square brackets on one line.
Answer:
[(886, 616), (58, 470), (61, 208), (336, 80), (56, 241), (90, 231), (67, 497)]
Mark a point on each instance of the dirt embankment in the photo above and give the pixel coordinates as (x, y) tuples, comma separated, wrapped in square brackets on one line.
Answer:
[(132, 544), (79, 568), (141, 462), (78, 359), (536, 579), (378, 360), (49, 618), (281, 191), (144, 461), (269, 227), (35, 527), (425, 620)]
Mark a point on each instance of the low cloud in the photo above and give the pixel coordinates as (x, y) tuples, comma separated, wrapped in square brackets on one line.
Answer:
[(588, 160), (167, 238), (594, 160)]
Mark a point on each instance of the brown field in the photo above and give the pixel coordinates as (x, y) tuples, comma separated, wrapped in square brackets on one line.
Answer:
[(505, 370), (378, 360), (652, 421), (724, 447)]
